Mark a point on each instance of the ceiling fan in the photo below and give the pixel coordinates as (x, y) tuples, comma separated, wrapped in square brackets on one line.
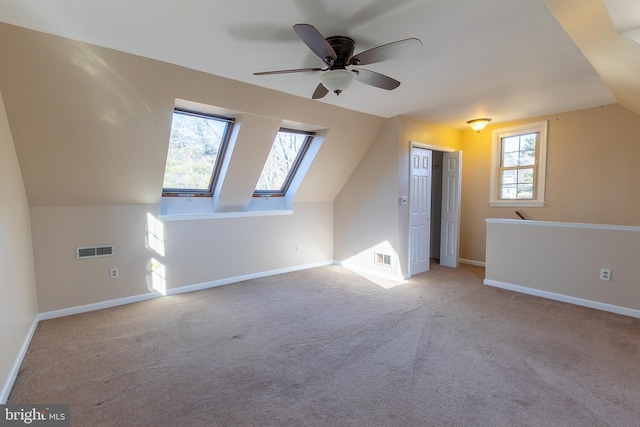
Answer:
[(337, 54)]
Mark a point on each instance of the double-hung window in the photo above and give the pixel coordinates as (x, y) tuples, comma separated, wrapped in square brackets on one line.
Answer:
[(518, 165), (196, 150), (285, 156)]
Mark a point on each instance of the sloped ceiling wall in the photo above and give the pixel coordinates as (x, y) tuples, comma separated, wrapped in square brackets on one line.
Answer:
[(91, 125), (615, 57)]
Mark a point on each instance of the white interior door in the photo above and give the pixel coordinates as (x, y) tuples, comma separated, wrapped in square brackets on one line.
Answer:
[(450, 227), (420, 211)]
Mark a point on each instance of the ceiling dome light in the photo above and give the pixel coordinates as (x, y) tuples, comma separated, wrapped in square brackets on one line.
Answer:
[(337, 80), (478, 124)]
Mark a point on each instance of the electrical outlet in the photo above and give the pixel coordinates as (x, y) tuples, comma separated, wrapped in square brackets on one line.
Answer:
[(114, 273), (605, 274), (296, 247)]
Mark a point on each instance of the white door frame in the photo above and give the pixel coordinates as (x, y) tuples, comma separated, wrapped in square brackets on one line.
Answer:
[(428, 147)]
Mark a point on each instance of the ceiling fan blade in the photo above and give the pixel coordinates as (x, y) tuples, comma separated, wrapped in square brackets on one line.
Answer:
[(296, 70), (386, 52), (316, 42), (320, 92), (376, 79)]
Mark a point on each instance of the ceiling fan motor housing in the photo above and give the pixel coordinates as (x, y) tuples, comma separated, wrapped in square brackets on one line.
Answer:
[(343, 47)]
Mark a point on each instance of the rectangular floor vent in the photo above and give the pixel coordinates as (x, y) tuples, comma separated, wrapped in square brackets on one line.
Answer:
[(382, 259), (94, 251)]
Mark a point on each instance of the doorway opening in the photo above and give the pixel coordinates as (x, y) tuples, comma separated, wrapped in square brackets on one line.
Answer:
[(436, 204), (435, 187)]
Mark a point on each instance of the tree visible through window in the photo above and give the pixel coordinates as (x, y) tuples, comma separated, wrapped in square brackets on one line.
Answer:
[(281, 165), (518, 164), (196, 147)]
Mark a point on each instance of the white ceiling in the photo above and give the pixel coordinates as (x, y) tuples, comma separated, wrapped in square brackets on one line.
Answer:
[(504, 59), (625, 14)]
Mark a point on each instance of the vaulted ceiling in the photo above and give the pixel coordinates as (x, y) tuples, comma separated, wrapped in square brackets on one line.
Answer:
[(506, 59)]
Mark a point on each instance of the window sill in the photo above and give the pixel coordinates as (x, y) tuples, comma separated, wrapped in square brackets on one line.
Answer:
[(516, 204), (221, 215)]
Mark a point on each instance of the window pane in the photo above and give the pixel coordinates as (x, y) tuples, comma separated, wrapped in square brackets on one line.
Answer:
[(527, 158), (528, 141), (283, 156), (509, 177), (511, 144), (517, 183), (510, 159), (525, 191), (519, 150), (193, 149), (525, 176), (509, 191)]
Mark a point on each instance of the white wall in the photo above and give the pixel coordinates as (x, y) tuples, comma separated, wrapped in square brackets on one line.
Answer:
[(18, 305), (192, 252), (207, 250), (563, 261)]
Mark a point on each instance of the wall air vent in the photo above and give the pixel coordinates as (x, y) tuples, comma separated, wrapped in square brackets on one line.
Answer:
[(382, 259), (94, 251)]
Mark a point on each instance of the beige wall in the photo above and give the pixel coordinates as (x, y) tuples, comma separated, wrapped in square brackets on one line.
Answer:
[(366, 210), (592, 174), (18, 305), (591, 178), (566, 259), (367, 214), (91, 130), (91, 125), (426, 133)]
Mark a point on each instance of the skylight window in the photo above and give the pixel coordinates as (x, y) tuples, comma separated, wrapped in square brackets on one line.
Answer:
[(196, 149), (286, 154)]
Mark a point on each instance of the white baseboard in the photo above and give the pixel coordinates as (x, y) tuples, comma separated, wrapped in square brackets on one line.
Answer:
[(472, 262), (227, 281), (172, 291), (96, 306), (564, 298), (8, 385)]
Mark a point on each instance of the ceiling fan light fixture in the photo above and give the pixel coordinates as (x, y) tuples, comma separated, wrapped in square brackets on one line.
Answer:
[(338, 81), (478, 124)]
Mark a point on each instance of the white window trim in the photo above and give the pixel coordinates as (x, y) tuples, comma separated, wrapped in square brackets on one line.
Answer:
[(222, 215), (541, 164)]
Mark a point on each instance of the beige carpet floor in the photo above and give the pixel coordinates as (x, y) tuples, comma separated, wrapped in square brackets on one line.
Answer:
[(326, 347)]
